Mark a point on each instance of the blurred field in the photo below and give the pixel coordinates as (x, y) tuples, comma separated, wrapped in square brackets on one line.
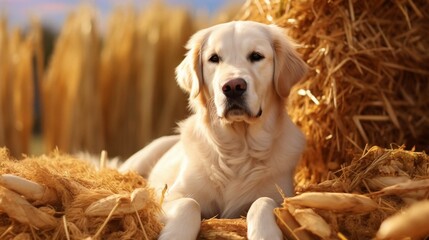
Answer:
[(115, 92)]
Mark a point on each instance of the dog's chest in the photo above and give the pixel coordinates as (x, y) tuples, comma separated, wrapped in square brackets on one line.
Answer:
[(234, 194), (236, 180), (238, 168)]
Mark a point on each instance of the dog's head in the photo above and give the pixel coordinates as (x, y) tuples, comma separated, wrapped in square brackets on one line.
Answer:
[(237, 67)]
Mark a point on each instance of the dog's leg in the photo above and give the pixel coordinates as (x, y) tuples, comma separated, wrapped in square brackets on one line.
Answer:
[(261, 223), (143, 161), (182, 218)]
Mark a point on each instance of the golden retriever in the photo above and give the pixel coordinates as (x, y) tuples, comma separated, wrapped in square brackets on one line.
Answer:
[(239, 143)]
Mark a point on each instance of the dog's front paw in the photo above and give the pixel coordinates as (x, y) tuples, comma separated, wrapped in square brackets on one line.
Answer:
[(178, 234), (182, 220), (261, 223), (264, 232)]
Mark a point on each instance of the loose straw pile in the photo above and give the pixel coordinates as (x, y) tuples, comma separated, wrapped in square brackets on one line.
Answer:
[(369, 74), (375, 196), (228, 229), (58, 196), (61, 197)]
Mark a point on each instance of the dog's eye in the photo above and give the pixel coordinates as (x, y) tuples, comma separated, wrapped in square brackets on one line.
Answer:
[(214, 58), (255, 57)]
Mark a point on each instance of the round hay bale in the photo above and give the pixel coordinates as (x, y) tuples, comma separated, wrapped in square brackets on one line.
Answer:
[(369, 75)]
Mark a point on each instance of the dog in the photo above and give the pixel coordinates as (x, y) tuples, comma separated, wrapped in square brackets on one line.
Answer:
[(239, 143)]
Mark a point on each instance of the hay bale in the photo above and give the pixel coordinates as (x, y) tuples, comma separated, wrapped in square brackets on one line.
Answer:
[(16, 87), (368, 80), (4, 51), (70, 96), (74, 186), (118, 83), (129, 78), (137, 86), (159, 52)]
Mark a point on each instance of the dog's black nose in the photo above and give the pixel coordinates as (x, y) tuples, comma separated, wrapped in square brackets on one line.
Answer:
[(234, 88)]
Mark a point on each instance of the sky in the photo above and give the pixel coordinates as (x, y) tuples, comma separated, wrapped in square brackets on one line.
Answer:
[(54, 12)]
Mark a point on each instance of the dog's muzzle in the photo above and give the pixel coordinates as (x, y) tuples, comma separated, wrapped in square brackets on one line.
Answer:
[(236, 106)]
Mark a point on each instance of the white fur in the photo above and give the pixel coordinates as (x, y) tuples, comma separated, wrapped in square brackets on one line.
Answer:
[(225, 164)]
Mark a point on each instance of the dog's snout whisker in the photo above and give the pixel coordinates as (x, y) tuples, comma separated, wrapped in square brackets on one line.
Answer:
[(234, 88)]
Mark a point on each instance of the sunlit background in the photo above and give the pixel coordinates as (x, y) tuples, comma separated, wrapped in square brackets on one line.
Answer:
[(53, 13), (94, 75)]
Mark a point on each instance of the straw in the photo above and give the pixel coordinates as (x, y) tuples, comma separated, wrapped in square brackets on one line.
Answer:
[(17, 86), (78, 185)]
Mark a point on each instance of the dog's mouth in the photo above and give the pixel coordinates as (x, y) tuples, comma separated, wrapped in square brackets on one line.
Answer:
[(238, 111)]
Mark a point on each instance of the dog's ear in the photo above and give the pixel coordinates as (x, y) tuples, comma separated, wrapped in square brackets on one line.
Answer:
[(189, 74), (289, 68)]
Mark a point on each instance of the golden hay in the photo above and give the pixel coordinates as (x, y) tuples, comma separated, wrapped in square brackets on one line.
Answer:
[(77, 185), (369, 75), (137, 83), (19, 65), (223, 229), (92, 90), (70, 102), (404, 166), (3, 73), (74, 188)]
